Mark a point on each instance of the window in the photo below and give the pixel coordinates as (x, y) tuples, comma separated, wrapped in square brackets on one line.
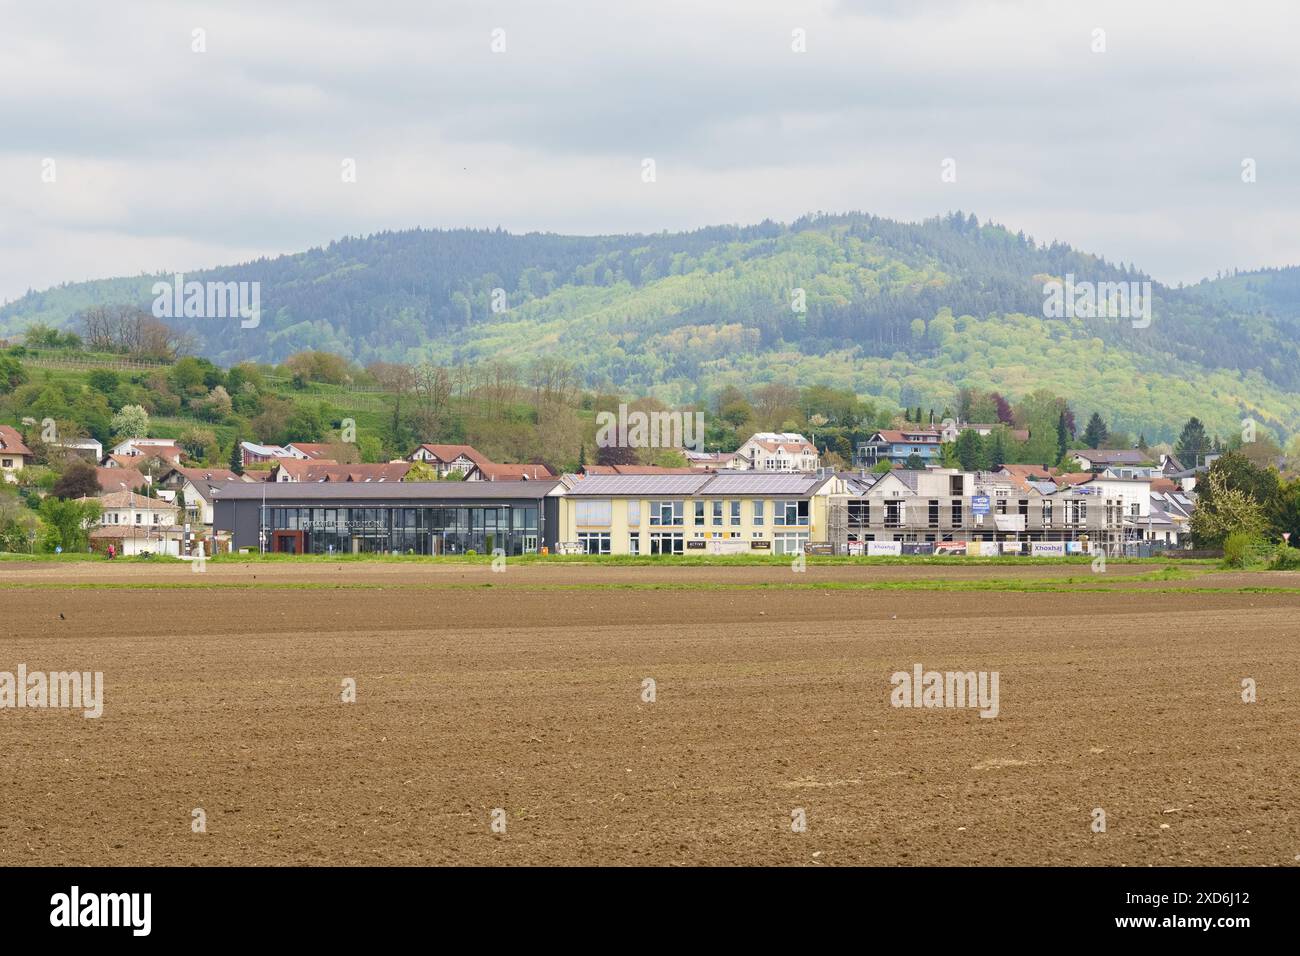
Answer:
[(933, 516), (1135, 510), (758, 512), (1047, 514), (791, 513), (790, 542), (8, 463), (666, 542), (956, 513), (699, 512), (634, 514), (717, 512), (893, 514), (667, 513), (138, 518), (735, 514), (860, 512), (598, 513), (594, 542)]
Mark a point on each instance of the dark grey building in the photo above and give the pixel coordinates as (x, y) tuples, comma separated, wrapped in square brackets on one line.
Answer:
[(416, 517)]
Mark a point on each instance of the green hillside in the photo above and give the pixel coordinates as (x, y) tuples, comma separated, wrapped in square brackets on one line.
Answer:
[(901, 313)]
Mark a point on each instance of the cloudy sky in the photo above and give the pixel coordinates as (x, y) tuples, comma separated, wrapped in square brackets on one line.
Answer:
[(169, 159)]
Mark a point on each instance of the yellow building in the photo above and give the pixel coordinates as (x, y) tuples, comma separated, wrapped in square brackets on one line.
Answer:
[(679, 514)]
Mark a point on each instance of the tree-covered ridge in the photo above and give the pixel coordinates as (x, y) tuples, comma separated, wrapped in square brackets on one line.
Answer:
[(906, 312)]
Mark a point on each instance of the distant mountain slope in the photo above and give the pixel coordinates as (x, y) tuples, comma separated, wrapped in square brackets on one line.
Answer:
[(904, 311)]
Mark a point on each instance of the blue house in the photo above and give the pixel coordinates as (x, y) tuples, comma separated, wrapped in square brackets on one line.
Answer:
[(898, 446)]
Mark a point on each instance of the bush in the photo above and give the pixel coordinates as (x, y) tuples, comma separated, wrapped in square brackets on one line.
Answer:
[(1241, 550), (1285, 559)]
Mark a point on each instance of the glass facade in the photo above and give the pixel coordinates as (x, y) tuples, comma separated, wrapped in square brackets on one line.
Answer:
[(449, 530)]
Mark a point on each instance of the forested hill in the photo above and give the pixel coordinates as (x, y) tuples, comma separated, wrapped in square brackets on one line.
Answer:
[(906, 312)]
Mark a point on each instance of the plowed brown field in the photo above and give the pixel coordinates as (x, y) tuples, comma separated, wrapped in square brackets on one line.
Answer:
[(523, 691)]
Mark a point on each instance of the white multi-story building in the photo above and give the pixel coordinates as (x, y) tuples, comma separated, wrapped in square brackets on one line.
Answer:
[(779, 451)]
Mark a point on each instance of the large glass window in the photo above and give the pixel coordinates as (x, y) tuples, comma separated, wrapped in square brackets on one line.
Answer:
[(758, 512), (789, 542), (594, 542), (666, 542), (735, 514)]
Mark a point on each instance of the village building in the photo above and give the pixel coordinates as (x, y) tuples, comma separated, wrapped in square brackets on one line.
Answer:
[(897, 446), (91, 449), (446, 459), (251, 453), (191, 491), (677, 514), (135, 524), (779, 451), (321, 470), (14, 453), (420, 517)]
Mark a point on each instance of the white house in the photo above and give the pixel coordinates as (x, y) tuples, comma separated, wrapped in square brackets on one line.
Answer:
[(779, 451), (446, 459), (135, 524), (1135, 492), (139, 446)]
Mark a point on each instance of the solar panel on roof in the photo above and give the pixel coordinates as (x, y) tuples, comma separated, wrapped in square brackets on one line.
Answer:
[(639, 484), (761, 484)]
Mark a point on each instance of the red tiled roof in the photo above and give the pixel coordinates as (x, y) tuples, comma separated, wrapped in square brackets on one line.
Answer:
[(386, 471), (299, 468), (168, 453), (333, 471), (12, 442), (316, 451), (110, 479), (208, 474), (1074, 478), (501, 472)]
